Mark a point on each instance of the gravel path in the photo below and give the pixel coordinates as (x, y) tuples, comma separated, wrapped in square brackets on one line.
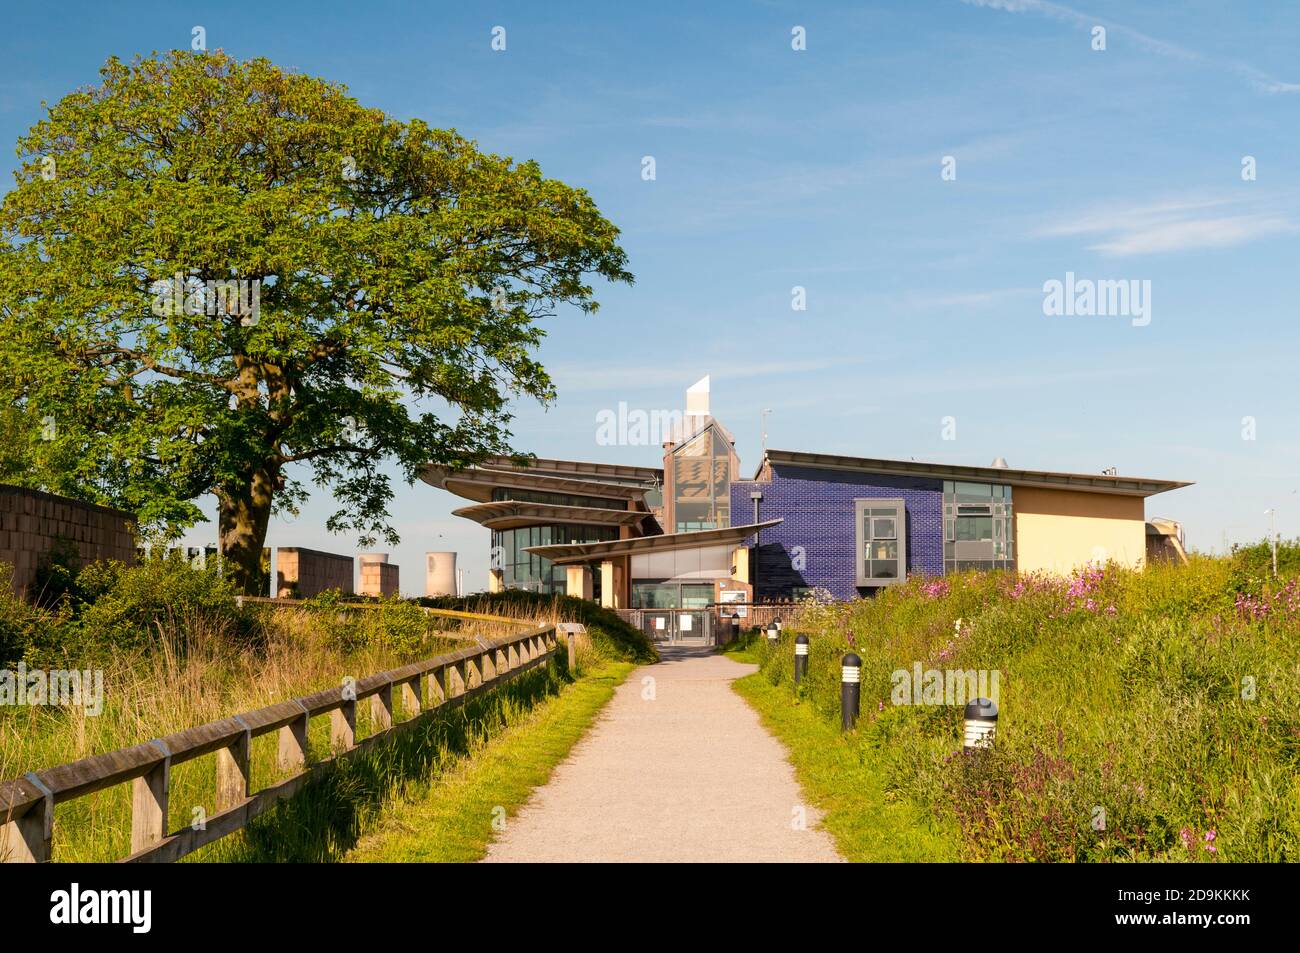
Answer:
[(690, 775)]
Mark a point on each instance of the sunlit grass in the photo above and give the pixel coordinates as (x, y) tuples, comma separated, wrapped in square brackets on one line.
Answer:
[(1142, 716)]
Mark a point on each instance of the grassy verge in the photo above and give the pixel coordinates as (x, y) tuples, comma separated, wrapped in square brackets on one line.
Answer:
[(744, 649), (844, 780), (452, 818), (1143, 716)]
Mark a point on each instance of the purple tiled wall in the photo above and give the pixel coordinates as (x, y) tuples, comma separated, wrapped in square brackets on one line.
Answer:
[(816, 506)]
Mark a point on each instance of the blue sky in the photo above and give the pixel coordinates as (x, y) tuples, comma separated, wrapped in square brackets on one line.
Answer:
[(821, 169)]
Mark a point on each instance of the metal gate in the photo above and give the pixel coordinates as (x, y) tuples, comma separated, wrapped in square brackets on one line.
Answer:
[(686, 626)]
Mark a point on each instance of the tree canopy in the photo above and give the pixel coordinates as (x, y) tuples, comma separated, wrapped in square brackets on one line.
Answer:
[(213, 270)]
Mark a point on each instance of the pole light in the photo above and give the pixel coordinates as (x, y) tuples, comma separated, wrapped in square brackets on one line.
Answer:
[(800, 658), (850, 690), (981, 723)]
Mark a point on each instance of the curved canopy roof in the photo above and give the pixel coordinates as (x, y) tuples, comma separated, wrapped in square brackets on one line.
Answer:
[(509, 514), (562, 553), (607, 481)]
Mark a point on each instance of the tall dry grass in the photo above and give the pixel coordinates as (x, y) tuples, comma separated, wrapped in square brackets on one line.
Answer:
[(175, 652)]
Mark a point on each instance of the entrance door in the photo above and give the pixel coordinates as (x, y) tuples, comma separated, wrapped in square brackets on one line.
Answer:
[(693, 621)]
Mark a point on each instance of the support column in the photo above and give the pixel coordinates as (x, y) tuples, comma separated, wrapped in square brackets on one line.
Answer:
[(608, 590), (579, 581)]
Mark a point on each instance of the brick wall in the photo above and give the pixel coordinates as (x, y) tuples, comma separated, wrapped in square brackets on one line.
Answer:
[(32, 523), (303, 573), (817, 508)]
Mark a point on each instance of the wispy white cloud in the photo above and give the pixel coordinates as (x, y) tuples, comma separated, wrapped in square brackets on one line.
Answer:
[(1174, 225), (1196, 233), (1262, 81)]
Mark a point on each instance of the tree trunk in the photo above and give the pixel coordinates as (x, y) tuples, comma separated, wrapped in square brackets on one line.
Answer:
[(243, 514)]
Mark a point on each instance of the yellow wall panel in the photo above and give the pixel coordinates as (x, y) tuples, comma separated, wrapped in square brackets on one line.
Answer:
[(1058, 531)]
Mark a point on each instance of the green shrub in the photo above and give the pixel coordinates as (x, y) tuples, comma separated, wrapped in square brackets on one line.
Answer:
[(18, 621), (391, 624), (1252, 566), (163, 599)]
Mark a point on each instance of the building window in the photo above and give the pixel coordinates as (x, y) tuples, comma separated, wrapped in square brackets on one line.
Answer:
[(701, 472), (521, 570), (978, 526), (881, 530), (671, 595), (509, 494)]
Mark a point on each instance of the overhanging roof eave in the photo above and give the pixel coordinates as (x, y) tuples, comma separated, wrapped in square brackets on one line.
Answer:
[(1084, 482), (564, 553)]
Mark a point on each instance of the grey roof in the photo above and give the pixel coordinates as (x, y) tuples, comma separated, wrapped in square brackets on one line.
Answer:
[(1085, 482)]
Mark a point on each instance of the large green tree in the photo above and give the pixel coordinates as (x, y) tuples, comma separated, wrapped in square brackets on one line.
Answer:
[(394, 281)]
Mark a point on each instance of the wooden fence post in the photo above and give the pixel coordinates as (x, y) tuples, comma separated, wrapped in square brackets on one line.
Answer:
[(455, 678), (343, 724), (381, 708), (292, 755), (29, 838), (438, 685), (411, 700), (149, 796), (233, 771)]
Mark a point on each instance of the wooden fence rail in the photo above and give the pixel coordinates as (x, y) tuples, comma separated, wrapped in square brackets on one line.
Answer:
[(27, 803)]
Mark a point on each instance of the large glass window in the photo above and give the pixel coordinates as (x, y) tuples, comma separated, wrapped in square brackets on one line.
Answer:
[(521, 570), (671, 595), (505, 494), (701, 475), (978, 526), (881, 541)]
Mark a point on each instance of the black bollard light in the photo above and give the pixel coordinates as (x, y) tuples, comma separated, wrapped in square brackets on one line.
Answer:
[(773, 633), (800, 657), (850, 691), (981, 723)]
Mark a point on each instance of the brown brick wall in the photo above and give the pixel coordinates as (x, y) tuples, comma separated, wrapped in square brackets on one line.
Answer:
[(32, 522), (304, 573)]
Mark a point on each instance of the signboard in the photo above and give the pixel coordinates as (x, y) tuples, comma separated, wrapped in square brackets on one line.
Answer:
[(733, 595)]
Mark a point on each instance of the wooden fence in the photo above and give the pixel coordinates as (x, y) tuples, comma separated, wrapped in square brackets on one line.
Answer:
[(27, 803)]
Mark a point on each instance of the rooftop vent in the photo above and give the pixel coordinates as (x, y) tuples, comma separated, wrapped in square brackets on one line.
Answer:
[(999, 462)]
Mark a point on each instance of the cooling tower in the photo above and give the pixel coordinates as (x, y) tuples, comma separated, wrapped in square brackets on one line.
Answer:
[(440, 574)]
